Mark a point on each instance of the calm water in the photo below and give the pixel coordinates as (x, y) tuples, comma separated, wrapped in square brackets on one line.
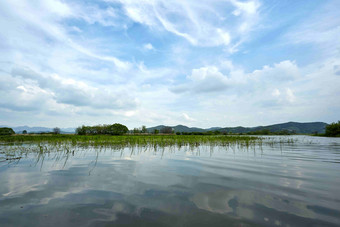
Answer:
[(288, 185)]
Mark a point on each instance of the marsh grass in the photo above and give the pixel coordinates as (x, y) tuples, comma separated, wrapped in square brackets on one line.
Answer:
[(129, 140), (61, 147)]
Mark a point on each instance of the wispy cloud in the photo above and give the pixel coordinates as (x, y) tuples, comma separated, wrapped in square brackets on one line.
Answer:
[(201, 63)]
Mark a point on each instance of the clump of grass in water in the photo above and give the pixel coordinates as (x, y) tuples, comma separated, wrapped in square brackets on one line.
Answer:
[(97, 140), (69, 144), (45, 143)]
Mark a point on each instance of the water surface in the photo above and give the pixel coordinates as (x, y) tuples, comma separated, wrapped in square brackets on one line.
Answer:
[(294, 184)]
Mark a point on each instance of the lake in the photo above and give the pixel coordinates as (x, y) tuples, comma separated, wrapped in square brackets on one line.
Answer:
[(290, 184)]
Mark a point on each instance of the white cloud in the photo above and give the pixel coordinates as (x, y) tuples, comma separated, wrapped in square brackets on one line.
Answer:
[(249, 7), (148, 46), (283, 71), (276, 92), (290, 95), (76, 93), (321, 30), (211, 79), (74, 63), (186, 117), (200, 24)]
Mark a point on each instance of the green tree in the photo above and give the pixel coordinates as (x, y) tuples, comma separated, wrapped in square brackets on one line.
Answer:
[(144, 130), (24, 132), (333, 129), (6, 131), (117, 129), (81, 130)]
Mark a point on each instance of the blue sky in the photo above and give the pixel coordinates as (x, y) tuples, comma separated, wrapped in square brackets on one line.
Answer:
[(150, 62)]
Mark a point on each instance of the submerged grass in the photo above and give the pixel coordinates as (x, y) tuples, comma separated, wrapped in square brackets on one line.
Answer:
[(129, 140), (61, 147), (68, 144)]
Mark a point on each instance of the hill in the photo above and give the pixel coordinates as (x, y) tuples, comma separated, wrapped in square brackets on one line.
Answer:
[(296, 127), (38, 129), (178, 128)]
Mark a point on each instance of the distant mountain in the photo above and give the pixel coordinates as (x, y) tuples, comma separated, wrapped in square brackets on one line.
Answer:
[(300, 128), (19, 129), (178, 128)]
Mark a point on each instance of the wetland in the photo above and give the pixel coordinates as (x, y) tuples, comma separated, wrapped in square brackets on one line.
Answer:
[(169, 180)]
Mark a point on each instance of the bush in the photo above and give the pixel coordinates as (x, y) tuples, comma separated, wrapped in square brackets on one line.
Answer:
[(333, 129), (6, 131)]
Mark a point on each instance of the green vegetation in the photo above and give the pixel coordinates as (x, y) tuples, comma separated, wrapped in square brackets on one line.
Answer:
[(129, 140), (6, 131), (62, 147), (115, 129), (333, 129)]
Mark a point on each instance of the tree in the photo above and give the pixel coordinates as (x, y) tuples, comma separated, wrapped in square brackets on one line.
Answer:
[(136, 131), (81, 130), (166, 130), (6, 131), (24, 132), (144, 130), (333, 129), (156, 131), (56, 130), (117, 129)]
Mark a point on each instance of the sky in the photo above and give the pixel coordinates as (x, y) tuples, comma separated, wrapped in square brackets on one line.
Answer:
[(149, 62)]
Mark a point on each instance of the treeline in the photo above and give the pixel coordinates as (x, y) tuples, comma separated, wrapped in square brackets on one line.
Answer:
[(143, 130), (259, 132), (115, 129)]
